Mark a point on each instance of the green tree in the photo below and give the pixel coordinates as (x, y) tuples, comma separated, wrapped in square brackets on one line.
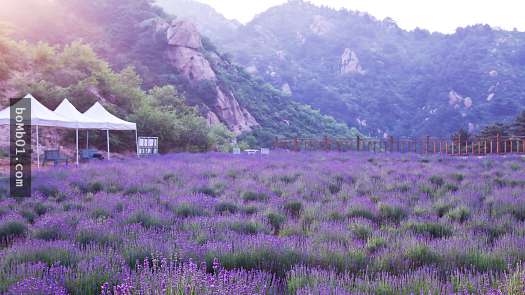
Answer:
[(518, 126)]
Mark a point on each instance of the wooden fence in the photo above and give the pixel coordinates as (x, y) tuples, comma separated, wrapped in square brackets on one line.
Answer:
[(427, 145)]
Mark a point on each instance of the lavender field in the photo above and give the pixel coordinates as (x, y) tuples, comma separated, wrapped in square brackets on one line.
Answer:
[(312, 223)]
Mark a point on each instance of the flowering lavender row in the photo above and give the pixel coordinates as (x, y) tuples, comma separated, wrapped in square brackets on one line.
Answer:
[(289, 223)]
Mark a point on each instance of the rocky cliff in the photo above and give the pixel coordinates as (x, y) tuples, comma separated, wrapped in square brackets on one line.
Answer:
[(185, 54)]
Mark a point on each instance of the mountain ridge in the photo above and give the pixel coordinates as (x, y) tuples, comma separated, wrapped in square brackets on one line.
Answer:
[(133, 33), (378, 77)]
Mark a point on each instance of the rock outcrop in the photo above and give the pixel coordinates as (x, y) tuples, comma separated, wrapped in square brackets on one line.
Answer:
[(350, 63), (457, 100), (185, 54), (320, 25)]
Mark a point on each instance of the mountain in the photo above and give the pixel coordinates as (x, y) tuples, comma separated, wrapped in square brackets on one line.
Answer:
[(164, 51), (376, 76), (209, 22)]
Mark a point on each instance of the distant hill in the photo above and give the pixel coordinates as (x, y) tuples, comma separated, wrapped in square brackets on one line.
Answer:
[(373, 75), (164, 51)]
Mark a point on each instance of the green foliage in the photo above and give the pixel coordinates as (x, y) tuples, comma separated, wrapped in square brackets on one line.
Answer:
[(361, 231), (437, 180), (294, 208), (224, 207), (88, 236), (276, 220), (391, 213), (145, 219), (246, 228), (375, 243), (432, 229), (421, 255), (49, 255), (459, 214), (250, 196), (12, 229), (361, 212), (185, 210)]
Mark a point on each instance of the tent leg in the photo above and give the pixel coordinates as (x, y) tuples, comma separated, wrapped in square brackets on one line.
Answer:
[(77, 147), (137, 142), (37, 149), (87, 139), (107, 138)]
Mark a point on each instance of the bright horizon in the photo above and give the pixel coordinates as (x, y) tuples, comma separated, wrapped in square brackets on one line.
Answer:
[(441, 16)]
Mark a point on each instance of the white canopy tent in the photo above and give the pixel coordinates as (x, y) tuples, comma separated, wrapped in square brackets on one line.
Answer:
[(40, 116), (97, 113), (67, 116), (68, 111)]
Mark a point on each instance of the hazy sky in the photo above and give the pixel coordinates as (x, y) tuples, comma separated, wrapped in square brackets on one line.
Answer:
[(434, 15)]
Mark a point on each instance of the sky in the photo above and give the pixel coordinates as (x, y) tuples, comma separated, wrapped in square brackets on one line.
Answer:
[(434, 15)]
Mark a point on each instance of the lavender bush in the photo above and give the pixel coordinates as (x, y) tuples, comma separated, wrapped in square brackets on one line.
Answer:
[(314, 223)]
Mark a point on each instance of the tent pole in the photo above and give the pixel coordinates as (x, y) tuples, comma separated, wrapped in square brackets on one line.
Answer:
[(107, 138), (137, 141), (87, 139), (77, 146), (37, 149)]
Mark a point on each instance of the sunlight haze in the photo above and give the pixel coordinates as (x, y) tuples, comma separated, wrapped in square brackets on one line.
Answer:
[(443, 16)]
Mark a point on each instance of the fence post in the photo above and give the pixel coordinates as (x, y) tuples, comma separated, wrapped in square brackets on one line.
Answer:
[(497, 143), (459, 145)]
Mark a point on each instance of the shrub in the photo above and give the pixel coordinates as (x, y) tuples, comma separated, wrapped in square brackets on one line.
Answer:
[(361, 231), (246, 228), (145, 219), (391, 213), (136, 255), (229, 207), (28, 215), (482, 262), (336, 216), (48, 234), (142, 190), (89, 236), (100, 213), (294, 208), (458, 177), (254, 196), (352, 261), (275, 261), (421, 255), (249, 210), (442, 208), (335, 186), (450, 187), (185, 210), (40, 209), (276, 220), (437, 180), (90, 187), (47, 253), (432, 229), (375, 243), (212, 191), (361, 212), (51, 191), (459, 214), (289, 179), (12, 229)]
